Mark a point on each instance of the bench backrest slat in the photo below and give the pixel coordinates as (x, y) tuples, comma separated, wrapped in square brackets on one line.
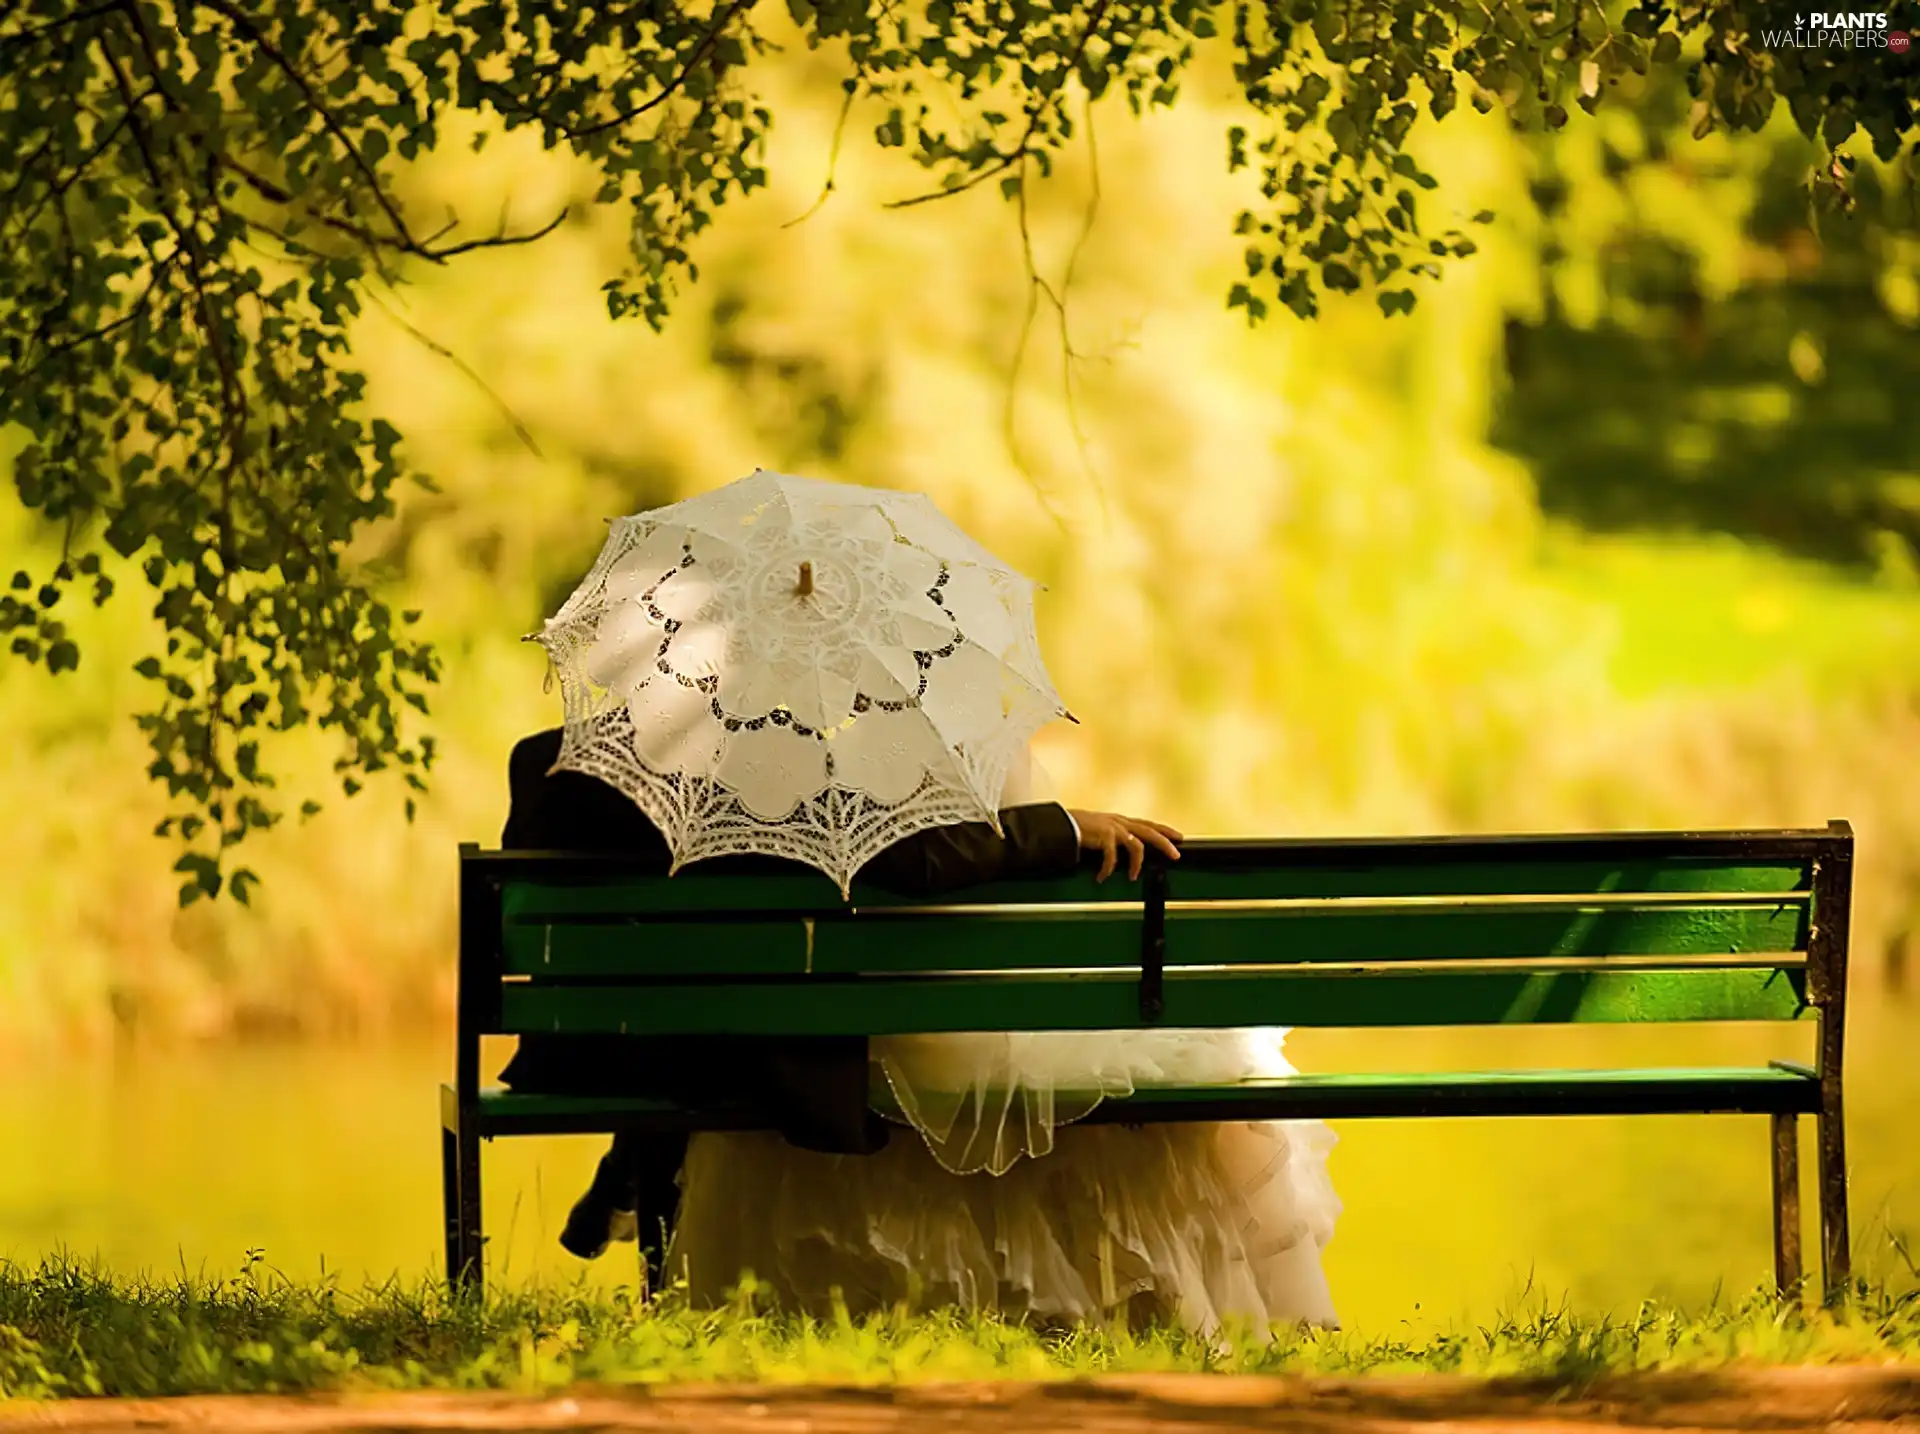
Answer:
[(601, 889), (1018, 938)]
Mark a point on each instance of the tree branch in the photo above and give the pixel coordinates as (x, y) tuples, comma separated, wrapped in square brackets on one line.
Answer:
[(48, 27), (1034, 113), (189, 246), (833, 163), (243, 24), (520, 430), (67, 345), (57, 188), (279, 194), (700, 51), (500, 240)]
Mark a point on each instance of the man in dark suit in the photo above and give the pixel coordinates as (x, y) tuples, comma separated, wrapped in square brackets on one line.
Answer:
[(814, 1088)]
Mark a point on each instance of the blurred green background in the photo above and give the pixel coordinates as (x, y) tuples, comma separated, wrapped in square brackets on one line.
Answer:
[(1619, 529)]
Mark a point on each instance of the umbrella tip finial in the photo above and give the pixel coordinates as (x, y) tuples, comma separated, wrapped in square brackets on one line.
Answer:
[(806, 581)]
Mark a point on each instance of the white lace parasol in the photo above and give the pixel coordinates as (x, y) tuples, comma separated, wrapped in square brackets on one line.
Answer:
[(801, 669)]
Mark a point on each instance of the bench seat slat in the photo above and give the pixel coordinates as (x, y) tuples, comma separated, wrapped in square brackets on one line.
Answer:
[(1543, 1092), (1198, 937), (1109, 1001)]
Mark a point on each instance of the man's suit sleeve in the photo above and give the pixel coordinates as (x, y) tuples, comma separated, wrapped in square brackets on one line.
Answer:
[(1035, 842), (1042, 841)]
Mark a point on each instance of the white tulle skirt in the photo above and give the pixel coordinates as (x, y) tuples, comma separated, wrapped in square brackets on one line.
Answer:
[(994, 1200)]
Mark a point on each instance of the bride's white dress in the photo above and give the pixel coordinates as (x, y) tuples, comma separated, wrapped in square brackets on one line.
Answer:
[(990, 1197), (1196, 1224)]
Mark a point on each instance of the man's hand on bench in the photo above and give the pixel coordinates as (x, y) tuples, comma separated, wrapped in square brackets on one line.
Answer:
[(1110, 834)]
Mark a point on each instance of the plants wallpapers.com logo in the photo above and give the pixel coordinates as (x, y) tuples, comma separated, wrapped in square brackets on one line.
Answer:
[(1838, 29)]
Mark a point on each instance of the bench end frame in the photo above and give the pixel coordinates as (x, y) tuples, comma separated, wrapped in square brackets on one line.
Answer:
[(476, 1010), (1827, 973)]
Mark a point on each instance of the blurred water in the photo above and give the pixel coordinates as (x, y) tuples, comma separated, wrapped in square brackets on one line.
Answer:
[(327, 1158)]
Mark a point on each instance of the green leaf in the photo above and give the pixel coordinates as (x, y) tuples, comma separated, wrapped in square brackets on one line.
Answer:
[(1240, 296), (1297, 294), (1339, 277), (204, 873)]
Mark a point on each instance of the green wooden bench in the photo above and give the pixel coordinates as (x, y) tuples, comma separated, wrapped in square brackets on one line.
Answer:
[(1474, 931)]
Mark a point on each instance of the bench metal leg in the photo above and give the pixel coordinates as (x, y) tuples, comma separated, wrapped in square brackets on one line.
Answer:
[(1836, 1239), (1787, 1271), (471, 1275), (450, 1203), (460, 1197)]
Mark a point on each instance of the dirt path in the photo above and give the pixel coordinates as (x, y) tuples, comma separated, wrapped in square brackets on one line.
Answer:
[(1845, 1400)]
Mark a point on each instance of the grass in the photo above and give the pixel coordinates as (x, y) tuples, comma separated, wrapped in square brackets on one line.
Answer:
[(1705, 614), (70, 1330)]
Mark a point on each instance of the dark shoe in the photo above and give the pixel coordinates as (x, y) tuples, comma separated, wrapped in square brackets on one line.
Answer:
[(605, 1213)]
